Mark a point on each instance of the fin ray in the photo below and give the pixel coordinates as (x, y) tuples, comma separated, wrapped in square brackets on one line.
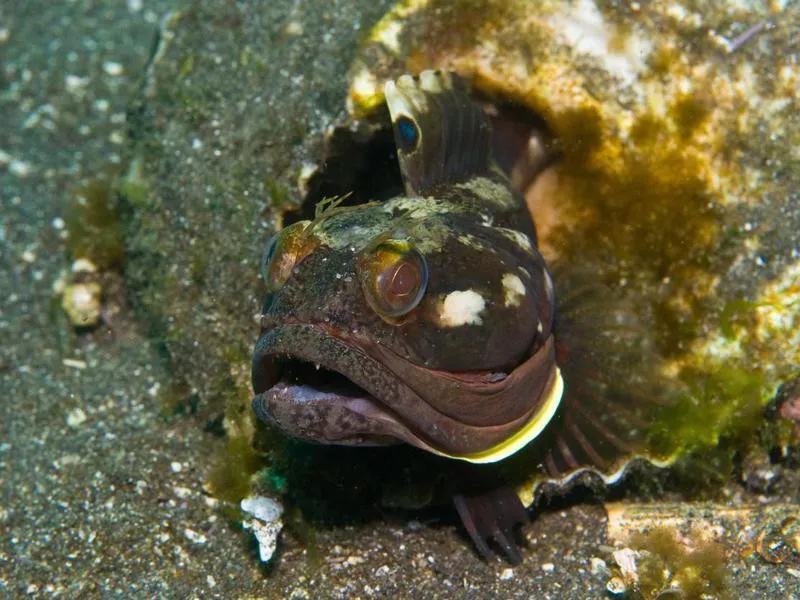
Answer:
[(442, 136)]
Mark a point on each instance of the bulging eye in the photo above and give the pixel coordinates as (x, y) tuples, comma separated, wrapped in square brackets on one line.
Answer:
[(266, 260), (394, 276), (284, 250)]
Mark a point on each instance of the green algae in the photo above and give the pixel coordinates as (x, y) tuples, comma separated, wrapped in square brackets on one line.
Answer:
[(723, 401), (651, 223), (93, 226), (230, 476), (232, 472), (667, 566), (177, 399), (662, 59)]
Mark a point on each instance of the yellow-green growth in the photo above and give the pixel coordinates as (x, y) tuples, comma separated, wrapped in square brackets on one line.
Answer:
[(689, 112), (666, 562), (93, 224), (230, 478), (722, 401), (177, 399)]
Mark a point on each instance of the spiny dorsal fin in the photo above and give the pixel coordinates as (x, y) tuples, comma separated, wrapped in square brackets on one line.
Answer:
[(442, 136)]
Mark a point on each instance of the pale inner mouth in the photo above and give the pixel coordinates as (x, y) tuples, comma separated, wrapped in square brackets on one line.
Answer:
[(315, 403)]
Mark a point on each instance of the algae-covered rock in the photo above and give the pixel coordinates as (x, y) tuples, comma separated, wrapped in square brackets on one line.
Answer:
[(676, 128)]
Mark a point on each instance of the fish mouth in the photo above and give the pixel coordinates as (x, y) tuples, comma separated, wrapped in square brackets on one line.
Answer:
[(311, 401), (327, 386)]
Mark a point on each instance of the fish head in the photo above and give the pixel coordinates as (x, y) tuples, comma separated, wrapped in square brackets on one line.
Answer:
[(426, 318)]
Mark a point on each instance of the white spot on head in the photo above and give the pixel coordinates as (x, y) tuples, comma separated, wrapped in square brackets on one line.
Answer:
[(513, 289), (462, 307), (519, 238)]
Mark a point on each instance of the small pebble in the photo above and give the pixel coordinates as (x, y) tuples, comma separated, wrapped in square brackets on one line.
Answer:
[(83, 265), (548, 567), (175, 466), (76, 84), (76, 417), (81, 302), (599, 567), (112, 68), (74, 363), (616, 587), (195, 537), (294, 28), (182, 492), (507, 574)]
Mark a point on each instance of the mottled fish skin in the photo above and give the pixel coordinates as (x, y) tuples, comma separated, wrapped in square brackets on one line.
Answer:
[(435, 305)]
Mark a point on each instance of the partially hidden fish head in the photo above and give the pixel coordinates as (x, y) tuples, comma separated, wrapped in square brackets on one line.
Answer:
[(427, 318)]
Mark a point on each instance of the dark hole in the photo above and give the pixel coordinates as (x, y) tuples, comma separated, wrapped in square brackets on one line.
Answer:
[(513, 126), (360, 161), (361, 158), (293, 370)]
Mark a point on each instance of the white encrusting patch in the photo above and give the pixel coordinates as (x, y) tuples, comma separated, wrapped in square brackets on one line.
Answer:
[(587, 31), (490, 191), (389, 36), (364, 84), (513, 289), (463, 307)]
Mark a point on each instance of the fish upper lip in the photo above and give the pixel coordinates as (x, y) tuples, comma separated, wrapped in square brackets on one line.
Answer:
[(272, 326)]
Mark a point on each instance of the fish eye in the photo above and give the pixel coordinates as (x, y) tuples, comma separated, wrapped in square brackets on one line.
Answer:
[(266, 259), (284, 250), (394, 277), (407, 133)]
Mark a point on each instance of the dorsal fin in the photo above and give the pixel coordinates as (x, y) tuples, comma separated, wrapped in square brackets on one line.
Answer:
[(442, 136)]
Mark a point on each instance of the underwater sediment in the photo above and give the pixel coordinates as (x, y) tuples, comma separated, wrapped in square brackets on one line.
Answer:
[(675, 185)]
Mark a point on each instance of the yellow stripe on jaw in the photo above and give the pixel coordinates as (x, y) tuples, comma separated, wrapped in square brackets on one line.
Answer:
[(529, 432)]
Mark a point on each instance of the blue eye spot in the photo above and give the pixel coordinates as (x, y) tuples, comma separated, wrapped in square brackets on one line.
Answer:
[(407, 133)]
